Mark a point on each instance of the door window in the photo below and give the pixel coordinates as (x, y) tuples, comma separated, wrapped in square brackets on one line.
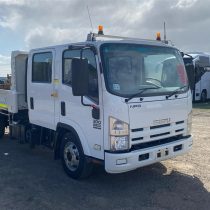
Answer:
[(68, 55), (42, 67)]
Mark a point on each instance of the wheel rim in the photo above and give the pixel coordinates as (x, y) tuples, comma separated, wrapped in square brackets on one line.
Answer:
[(71, 156)]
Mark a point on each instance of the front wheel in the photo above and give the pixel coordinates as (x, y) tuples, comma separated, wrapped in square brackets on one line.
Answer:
[(75, 163)]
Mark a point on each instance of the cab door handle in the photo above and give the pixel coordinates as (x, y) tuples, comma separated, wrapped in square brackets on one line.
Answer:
[(63, 108), (31, 103)]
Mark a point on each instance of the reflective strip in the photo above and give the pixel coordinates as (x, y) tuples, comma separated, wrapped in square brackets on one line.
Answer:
[(4, 106)]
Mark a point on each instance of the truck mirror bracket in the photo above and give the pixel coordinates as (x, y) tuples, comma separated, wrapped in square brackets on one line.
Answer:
[(95, 110)]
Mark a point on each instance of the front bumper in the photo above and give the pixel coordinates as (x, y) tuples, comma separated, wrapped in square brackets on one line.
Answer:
[(118, 163)]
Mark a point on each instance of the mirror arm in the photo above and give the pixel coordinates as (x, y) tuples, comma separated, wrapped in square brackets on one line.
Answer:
[(95, 110), (82, 101)]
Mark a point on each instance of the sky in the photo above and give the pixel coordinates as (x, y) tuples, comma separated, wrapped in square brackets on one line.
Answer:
[(28, 24)]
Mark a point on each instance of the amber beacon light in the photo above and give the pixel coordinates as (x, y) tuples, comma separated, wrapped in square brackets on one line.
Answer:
[(100, 30), (158, 38)]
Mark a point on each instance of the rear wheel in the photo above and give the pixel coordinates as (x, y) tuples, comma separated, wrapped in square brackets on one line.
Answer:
[(2, 126), (75, 163), (203, 96)]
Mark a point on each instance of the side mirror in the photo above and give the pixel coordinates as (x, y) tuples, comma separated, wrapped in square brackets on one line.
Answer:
[(80, 77)]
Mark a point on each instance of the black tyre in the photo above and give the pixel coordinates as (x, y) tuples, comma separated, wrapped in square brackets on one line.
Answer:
[(2, 126), (203, 96), (75, 163)]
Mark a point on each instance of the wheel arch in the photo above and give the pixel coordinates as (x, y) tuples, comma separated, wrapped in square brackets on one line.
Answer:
[(62, 128)]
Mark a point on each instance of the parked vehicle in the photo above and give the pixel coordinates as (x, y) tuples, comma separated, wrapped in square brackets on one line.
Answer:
[(198, 70), (118, 101)]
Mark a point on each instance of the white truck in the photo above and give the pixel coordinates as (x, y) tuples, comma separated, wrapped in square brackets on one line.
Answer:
[(122, 102), (198, 70)]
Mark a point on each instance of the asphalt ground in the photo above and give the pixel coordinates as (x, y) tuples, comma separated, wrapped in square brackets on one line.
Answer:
[(31, 179)]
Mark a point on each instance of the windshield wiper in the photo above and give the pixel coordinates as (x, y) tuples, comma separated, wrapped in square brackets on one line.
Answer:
[(176, 91), (139, 93)]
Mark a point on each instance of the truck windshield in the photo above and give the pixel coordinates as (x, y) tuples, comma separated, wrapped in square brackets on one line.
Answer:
[(129, 68)]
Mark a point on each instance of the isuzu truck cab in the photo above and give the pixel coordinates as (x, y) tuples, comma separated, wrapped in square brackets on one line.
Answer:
[(122, 102)]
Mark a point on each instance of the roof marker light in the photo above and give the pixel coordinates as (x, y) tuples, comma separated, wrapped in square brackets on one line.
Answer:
[(158, 38), (100, 30)]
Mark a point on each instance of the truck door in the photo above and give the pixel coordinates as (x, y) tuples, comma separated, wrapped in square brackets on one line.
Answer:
[(41, 95), (76, 114)]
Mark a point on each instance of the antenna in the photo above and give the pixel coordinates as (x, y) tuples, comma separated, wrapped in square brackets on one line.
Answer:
[(89, 17), (164, 31)]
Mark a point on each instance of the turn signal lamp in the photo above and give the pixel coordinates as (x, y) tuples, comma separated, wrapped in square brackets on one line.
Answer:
[(100, 30), (158, 38)]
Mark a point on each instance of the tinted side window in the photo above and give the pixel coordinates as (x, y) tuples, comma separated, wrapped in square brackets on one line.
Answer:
[(67, 59), (42, 67), (93, 76)]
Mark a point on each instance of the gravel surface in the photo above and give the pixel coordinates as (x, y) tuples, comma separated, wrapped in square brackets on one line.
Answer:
[(31, 179)]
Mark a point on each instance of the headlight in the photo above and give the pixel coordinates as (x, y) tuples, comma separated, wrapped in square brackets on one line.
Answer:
[(189, 123), (119, 134)]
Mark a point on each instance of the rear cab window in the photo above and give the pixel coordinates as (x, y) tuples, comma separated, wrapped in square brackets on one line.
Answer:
[(42, 67)]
